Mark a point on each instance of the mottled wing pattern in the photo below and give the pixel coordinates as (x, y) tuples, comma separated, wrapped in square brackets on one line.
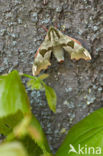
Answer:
[(54, 42)]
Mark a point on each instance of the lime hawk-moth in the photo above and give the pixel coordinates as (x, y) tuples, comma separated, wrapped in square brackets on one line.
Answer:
[(56, 42)]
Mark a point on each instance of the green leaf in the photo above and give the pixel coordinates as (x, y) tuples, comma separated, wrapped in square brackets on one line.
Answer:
[(15, 107), (30, 128), (12, 149), (8, 122), (51, 97), (87, 133), (36, 132), (32, 148), (14, 102), (2, 76), (47, 154), (35, 84)]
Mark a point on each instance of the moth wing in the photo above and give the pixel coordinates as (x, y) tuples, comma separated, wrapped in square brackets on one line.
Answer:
[(78, 52), (41, 62), (63, 39), (81, 54), (47, 55), (46, 45), (55, 38)]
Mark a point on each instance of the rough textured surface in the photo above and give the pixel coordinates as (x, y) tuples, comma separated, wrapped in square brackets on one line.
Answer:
[(78, 84)]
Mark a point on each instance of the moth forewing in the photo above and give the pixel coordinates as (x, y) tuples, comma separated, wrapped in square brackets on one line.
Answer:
[(79, 52), (47, 55), (34, 69), (41, 62), (37, 61), (38, 58), (87, 54)]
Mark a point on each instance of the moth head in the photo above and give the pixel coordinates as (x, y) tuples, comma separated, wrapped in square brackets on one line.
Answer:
[(57, 38), (53, 34)]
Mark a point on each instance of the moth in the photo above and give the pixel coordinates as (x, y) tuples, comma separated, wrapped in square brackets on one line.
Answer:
[(56, 42)]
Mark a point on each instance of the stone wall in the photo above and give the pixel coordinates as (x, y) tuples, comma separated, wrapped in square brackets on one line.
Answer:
[(78, 84)]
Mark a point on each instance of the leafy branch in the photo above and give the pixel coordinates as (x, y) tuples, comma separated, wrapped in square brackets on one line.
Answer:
[(23, 133)]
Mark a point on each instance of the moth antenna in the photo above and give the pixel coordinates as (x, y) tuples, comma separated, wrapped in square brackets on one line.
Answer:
[(44, 28)]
